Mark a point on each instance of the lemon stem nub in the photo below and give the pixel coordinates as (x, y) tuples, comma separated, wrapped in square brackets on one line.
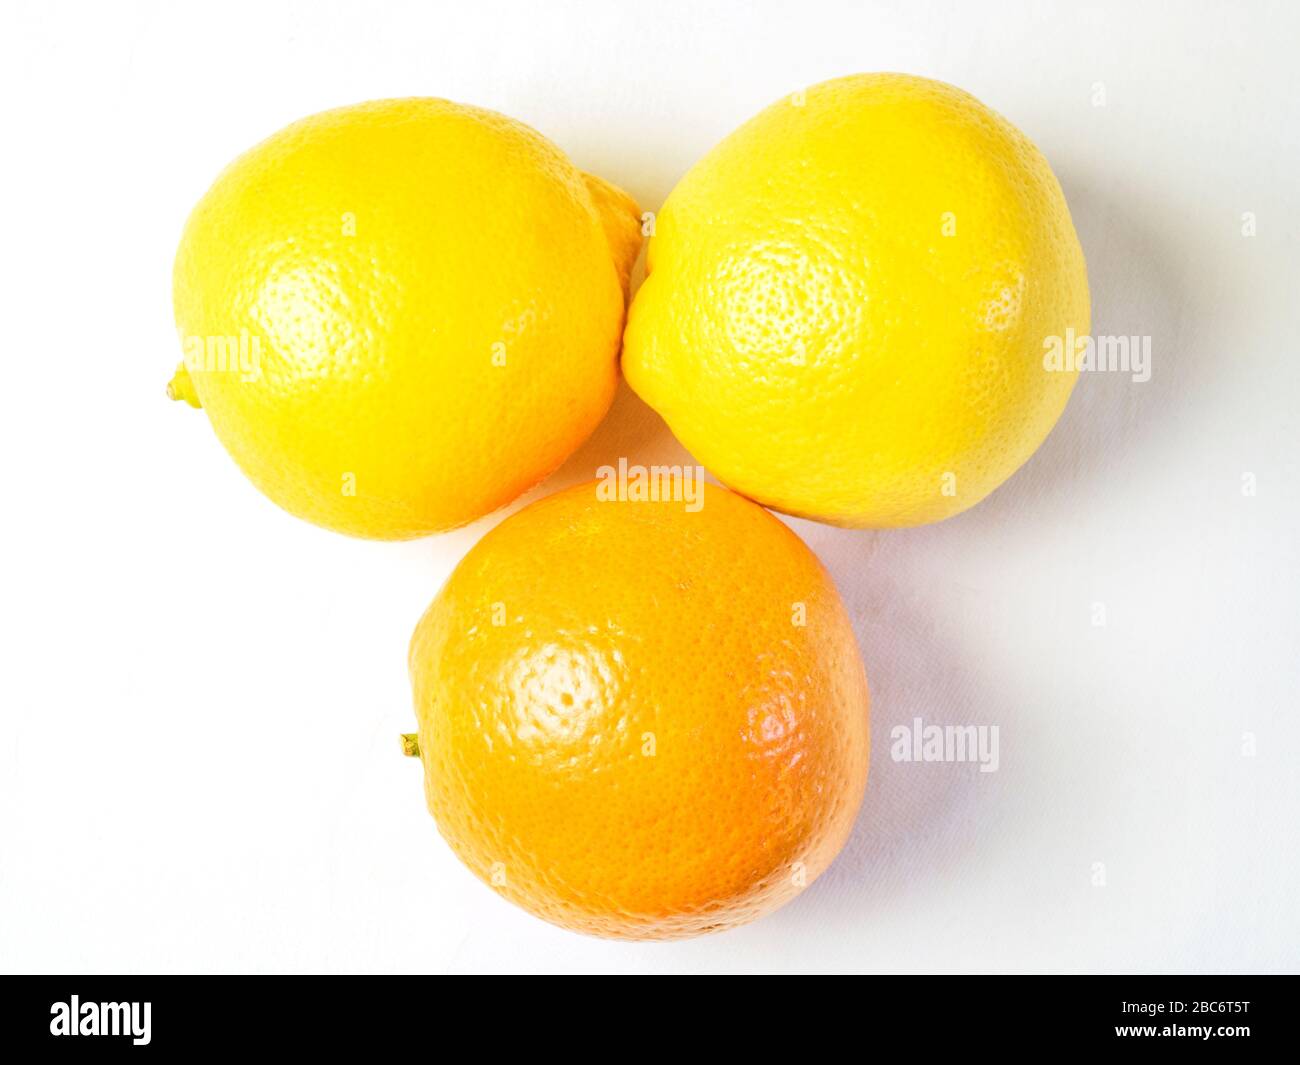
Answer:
[(411, 744), (181, 386)]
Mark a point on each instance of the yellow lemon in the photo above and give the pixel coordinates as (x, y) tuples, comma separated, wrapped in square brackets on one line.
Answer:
[(401, 315), (641, 719), (853, 302)]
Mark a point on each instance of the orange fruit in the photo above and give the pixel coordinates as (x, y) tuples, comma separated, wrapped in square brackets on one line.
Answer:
[(642, 720)]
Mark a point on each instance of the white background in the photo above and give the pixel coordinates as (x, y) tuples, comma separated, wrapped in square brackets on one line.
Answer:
[(199, 761)]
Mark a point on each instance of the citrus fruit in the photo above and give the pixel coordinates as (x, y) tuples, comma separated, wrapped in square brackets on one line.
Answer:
[(641, 719), (400, 315), (849, 301)]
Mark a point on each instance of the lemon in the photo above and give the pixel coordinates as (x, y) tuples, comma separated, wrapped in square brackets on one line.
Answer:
[(400, 315), (850, 301), (641, 719)]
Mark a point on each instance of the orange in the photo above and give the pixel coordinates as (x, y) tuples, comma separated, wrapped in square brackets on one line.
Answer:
[(643, 720)]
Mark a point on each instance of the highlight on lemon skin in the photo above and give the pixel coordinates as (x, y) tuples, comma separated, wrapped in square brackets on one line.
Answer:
[(639, 717), (399, 316), (847, 300)]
